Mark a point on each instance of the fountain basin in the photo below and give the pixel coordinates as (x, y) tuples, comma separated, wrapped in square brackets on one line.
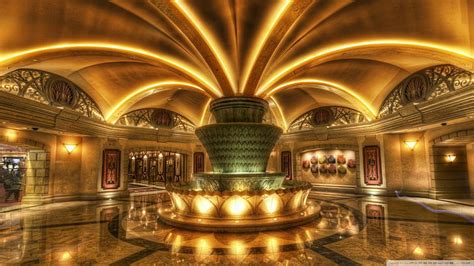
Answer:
[(235, 211)]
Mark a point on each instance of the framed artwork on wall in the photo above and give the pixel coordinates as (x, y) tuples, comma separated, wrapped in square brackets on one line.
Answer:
[(372, 167), (198, 162), (111, 169), (286, 164)]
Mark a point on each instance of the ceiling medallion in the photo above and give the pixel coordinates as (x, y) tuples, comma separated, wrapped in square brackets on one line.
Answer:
[(61, 92), (162, 118), (322, 116), (415, 89)]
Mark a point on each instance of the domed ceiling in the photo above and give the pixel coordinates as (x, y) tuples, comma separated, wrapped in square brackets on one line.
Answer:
[(178, 55)]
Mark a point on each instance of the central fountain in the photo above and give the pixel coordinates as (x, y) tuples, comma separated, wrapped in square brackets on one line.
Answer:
[(239, 195)]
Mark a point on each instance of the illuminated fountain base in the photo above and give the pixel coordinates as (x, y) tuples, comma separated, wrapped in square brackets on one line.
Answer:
[(240, 211), (239, 195)]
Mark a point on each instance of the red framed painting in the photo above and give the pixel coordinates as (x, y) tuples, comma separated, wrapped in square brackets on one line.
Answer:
[(372, 167), (198, 162), (111, 169), (286, 164)]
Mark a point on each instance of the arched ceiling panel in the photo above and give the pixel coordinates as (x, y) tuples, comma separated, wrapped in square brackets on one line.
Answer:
[(438, 22), (187, 103), (116, 81), (297, 101), (358, 75)]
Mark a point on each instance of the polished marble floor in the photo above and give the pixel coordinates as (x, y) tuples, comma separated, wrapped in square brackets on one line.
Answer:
[(351, 231)]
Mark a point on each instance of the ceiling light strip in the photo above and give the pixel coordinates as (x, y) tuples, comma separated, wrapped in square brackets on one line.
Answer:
[(121, 48), (280, 111), (204, 112), (210, 41), (263, 36), (339, 48)]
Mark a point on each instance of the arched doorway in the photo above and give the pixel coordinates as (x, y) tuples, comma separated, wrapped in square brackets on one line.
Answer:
[(450, 155), (26, 162), (12, 173)]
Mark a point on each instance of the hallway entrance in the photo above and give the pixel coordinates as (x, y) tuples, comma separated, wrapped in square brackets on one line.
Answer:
[(12, 173)]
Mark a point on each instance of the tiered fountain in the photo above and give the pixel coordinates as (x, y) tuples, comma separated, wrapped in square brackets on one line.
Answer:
[(239, 195)]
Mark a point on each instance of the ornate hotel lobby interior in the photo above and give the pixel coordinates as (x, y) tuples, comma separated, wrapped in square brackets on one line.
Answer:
[(237, 132)]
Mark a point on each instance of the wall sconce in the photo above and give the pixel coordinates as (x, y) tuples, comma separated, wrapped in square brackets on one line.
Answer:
[(451, 157), (70, 147), (411, 144)]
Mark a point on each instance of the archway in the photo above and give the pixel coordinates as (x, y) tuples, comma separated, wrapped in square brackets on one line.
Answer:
[(451, 156), (34, 170)]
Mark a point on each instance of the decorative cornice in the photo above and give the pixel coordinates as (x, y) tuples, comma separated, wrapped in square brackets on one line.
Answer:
[(156, 118), (454, 105), (17, 110), (425, 85), (50, 89)]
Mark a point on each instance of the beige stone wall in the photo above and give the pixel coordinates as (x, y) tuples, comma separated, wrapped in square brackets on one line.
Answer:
[(393, 162), (91, 162), (67, 177), (406, 170)]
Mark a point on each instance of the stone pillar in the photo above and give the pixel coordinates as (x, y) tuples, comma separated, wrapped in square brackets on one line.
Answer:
[(37, 176), (470, 166)]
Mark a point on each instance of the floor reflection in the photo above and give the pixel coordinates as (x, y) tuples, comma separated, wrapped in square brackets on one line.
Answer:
[(142, 223), (351, 230)]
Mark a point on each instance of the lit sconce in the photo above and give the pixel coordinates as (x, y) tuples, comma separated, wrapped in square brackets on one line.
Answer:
[(411, 144), (451, 157), (418, 251), (457, 240), (10, 135), (66, 256), (70, 147)]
